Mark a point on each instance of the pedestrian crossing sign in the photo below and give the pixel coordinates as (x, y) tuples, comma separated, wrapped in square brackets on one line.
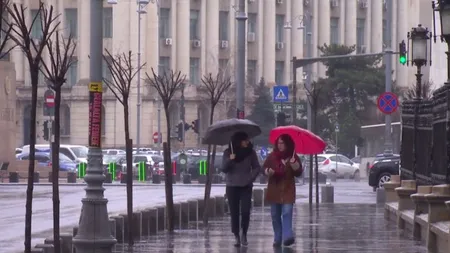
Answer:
[(280, 93)]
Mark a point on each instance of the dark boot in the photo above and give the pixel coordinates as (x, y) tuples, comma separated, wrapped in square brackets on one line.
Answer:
[(289, 242), (237, 241), (244, 240)]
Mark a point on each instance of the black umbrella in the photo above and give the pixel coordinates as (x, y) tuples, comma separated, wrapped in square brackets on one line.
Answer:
[(220, 132)]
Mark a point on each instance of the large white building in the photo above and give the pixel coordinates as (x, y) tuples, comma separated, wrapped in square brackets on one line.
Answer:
[(198, 37)]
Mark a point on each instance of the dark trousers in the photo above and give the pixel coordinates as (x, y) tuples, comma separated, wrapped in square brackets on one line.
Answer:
[(239, 202)]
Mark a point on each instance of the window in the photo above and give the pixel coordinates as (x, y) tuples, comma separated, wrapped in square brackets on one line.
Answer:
[(280, 28), (360, 34), (344, 159), (333, 158), (164, 65), (107, 23), (36, 29), (72, 77), (224, 69), (71, 22), (334, 31), (251, 72), (42, 80), (194, 72), (164, 23), (138, 159), (224, 25), (279, 73), (42, 159), (252, 21), (106, 73), (385, 31), (193, 29)]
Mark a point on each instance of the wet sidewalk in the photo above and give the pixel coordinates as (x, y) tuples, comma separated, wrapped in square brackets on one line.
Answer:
[(335, 228)]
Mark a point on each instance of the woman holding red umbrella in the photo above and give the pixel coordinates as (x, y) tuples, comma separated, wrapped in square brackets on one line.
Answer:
[(282, 166)]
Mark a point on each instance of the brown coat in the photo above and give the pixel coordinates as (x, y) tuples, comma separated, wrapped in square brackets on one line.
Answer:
[(281, 189)]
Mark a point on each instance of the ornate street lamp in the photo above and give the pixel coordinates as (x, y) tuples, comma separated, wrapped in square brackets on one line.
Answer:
[(443, 8), (419, 37)]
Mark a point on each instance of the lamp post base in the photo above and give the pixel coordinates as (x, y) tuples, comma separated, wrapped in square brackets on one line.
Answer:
[(94, 232)]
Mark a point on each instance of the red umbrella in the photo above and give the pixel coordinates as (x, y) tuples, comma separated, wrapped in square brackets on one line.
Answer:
[(305, 141)]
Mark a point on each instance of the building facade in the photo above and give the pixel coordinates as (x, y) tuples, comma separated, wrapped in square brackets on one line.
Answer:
[(198, 37)]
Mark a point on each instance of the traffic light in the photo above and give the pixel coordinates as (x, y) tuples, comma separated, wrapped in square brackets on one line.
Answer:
[(195, 126), (402, 51), (179, 131), (46, 130), (281, 119)]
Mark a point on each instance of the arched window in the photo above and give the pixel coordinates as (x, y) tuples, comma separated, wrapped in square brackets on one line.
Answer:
[(65, 119), (103, 120)]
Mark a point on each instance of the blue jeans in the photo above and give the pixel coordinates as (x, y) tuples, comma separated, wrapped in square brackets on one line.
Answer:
[(282, 221)]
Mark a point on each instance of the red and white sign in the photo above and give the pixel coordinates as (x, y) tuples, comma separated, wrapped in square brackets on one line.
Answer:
[(155, 137), (50, 100)]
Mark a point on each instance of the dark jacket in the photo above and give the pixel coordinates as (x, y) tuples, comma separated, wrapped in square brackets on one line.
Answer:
[(281, 188), (241, 173)]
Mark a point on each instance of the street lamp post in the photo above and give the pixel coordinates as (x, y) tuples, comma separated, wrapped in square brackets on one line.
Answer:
[(304, 24), (241, 18), (419, 37), (443, 8), (336, 130)]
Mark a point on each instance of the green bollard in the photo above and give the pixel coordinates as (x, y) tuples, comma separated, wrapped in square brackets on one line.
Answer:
[(202, 168), (81, 170), (112, 170), (141, 172)]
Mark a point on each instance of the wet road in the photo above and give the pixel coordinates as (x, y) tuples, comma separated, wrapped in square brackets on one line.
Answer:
[(13, 205), (338, 228)]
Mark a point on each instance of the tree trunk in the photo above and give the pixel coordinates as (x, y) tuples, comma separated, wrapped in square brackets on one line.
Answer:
[(130, 176), (34, 72), (168, 176), (55, 170), (209, 166)]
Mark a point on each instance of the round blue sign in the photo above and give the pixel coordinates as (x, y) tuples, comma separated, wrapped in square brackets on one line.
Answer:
[(387, 103)]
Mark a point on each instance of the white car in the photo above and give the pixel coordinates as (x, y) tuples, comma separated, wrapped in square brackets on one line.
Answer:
[(340, 165), (155, 163)]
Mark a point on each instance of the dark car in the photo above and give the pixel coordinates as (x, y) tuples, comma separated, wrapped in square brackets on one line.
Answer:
[(382, 170), (44, 159)]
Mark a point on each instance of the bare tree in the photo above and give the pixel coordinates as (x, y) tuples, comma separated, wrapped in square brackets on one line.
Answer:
[(123, 72), (426, 90), (167, 84), (314, 94), (61, 52), (6, 28), (215, 88), (33, 50)]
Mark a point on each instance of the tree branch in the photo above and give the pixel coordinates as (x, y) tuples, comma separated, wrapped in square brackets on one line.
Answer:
[(166, 84), (216, 87)]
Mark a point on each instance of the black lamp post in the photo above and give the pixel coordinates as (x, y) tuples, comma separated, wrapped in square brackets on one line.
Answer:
[(419, 38)]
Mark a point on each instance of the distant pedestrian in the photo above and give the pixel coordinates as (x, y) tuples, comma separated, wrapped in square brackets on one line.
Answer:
[(282, 166), (240, 163)]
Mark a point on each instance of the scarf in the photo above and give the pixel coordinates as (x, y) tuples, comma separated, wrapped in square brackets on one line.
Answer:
[(242, 153), (279, 167)]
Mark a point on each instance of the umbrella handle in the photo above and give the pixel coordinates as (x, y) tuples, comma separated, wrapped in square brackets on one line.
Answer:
[(231, 145)]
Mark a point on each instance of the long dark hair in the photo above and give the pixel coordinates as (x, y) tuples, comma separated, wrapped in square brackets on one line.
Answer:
[(289, 144), (235, 146)]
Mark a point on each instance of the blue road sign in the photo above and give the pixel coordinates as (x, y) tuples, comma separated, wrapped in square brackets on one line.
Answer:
[(263, 152), (280, 93), (387, 102)]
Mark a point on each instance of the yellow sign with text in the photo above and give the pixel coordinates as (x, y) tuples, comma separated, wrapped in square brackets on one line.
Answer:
[(95, 87)]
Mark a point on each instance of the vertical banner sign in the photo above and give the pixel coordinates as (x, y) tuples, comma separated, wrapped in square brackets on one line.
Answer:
[(95, 114)]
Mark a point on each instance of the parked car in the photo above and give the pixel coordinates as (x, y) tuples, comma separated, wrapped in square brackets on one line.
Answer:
[(337, 164), (118, 159), (76, 153), (382, 170), (155, 163), (113, 152), (44, 159)]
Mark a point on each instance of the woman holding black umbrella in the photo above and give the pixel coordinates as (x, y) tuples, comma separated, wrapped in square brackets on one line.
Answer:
[(241, 165)]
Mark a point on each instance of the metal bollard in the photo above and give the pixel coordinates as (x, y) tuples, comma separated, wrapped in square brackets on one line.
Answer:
[(36, 177), (381, 196), (13, 177), (327, 193)]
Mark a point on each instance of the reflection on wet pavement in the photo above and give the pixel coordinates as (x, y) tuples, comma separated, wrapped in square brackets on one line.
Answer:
[(346, 228)]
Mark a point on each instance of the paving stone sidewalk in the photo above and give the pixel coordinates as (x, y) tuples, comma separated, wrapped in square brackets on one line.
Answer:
[(333, 228)]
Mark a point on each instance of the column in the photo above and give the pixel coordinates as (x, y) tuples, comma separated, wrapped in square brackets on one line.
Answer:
[(269, 30), (83, 39), (204, 50), (260, 39), (26, 66), (368, 27), (315, 38), (173, 33), (342, 5), (376, 38), (402, 30), (182, 41), (288, 45), (297, 42), (324, 31), (151, 39), (211, 37), (350, 22)]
